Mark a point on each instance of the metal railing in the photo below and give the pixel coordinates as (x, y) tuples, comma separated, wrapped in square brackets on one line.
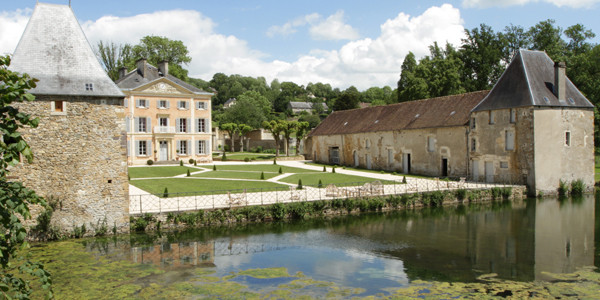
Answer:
[(179, 202), (164, 129)]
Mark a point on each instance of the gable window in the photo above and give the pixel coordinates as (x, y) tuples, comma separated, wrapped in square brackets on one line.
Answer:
[(509, 140), (513, 115), (567, 138), (201, 125), (473, 123), (491, 114), (430, 144), (473, 144), (182, 105), (142, 124), (201, 105), (141, 103), (182, 125), (182, 147), (163, 104), (201, 147)]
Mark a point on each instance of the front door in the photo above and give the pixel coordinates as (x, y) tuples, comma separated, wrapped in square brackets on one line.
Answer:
[(406, 163), (164, 150), (444, 167), (489, 171), (368, 156), (475, 171)]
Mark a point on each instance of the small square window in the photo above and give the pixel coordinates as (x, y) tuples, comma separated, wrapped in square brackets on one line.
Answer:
[(58, 106), (201, 105), (89, 86), (163, 104), (504, 164), (182, 105)]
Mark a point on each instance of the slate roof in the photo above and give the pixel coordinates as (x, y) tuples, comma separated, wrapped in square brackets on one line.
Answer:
[(54, 50), (134, 79), (438, 112), (529, 81)]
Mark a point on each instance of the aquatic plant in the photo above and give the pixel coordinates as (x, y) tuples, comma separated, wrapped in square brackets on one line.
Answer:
[(577, 187)]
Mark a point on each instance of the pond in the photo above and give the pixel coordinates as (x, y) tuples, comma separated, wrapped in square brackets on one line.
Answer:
[(368, 254)]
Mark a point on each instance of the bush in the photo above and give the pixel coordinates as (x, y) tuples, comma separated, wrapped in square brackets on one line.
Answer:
[(258, 149), (224, 157), (320, 184), (149, 162), (324, 169), (188, 173), (280, 170), (275, 160), (191, 161), (166, 193), (181, 163), (577, 187), (298, 210), (246, 159), (299, 184), (563, 188), (278, 211), (496, 192), (214, 167), (506, 192), (461, 194), (262, 175), (333, 170), (403, 179)]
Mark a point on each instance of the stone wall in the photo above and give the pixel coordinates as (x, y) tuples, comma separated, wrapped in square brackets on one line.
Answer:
[(80, 158)]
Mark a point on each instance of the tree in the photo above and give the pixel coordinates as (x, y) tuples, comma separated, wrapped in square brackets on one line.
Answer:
[(276, 128), (157, 48), (258, 100), (113, 57), (15, 199), (244, 112), (231, 129), (515, 38), (411, 87), (302, 130), (482, 53), (288, 128), (243, 130), (348, 99), (547, 37), (578, 35)]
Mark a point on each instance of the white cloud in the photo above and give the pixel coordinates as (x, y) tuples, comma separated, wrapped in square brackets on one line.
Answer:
[(363, 63), (333, 28), (290, 27), (505, 3), (12, 25)]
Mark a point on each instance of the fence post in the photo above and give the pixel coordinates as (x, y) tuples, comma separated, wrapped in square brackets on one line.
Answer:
[(141, 211), (213, 200), (261, 196), (159, 203), (178, 202), (196, 201), (276, 196)]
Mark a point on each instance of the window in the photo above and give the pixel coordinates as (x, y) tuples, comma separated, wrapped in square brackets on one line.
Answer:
[(182, 105), (142, 124), (567, 138), (141, 103), (89, 86), (509, 140), (390, 156), (142, 148), (513, 115), (201, 125), (182, 147), (430, 144), (504, 165), (367, 143), (201, 105), (58, 106), (125, 103), (201, 149), (182, 125), (473, 145), (163, 104), (473, 123), (491, 114)]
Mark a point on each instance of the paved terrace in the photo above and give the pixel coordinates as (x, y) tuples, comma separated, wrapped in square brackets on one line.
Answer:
[(141, 202)]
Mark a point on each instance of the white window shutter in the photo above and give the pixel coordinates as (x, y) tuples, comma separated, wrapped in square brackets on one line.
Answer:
[(177, 124), (136, 124), (188, 128), (148, 124), (127, 124), (149, 147), (137, 147), (168, 103), (178, 146), (126, 102), (128, 148)]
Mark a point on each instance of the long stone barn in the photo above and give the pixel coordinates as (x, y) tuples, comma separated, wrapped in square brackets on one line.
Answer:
[(534, 128), (79, 146)]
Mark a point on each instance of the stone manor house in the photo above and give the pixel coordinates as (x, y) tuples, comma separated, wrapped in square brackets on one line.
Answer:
[(534, 127), (80, 144)]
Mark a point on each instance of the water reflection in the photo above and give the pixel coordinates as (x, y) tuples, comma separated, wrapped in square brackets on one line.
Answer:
[(517, 241)]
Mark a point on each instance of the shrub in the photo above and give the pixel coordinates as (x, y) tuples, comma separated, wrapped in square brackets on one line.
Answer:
[(298, 210), (333, 170), (280, 170), (506, 192), (278, 211), (188, 173), (275, 160), (258, 149), (149, 162), (376, 204), (496, 192), (299, 184), (577, 187), (403, 179), (461, 194), (166, 193), (363, 205), (262, 175), (214, 167), (181, 163), (350, 204), (320, 184), (324, 169), (195, 163), (246, 159), (191, 161), (79, 232), (563, 188), (224, 157), (406, 200)]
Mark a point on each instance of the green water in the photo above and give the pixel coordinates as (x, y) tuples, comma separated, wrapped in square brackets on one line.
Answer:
[(524, 243)]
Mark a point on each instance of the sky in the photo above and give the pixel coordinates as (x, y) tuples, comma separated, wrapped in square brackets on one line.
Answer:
[(343, 43)]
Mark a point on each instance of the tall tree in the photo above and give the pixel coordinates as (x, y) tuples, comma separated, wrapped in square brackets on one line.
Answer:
[(245, 111), (288, 128), (349, 99), (157, 48), (275, 127), (113, 57), (302, 130), (482, 56), (243, 130), (410, 86), (15, 199), (578, 36), (515, 38), (231, 129), (545, 36)]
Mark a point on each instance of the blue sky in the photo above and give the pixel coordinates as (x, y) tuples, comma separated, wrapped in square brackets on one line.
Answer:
[(360, 43)]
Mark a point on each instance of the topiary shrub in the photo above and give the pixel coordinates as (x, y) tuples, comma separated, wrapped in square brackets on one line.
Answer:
[(262, 175), (320, 183), (299, 184), (195, 163), (224, 157), (166, 193), (191, 161), (333, 170), (149, 162), (188, 173), (214, 167), (324, 169), (280, 170), (246, 159), (275, 160), (181, 163), (403, 179)]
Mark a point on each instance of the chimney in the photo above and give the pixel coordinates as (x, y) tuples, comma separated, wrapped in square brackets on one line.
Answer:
[(141, 66), (122, 72), (560, 79), (163, 67)]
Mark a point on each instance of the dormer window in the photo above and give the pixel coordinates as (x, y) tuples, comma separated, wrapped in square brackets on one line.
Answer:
[(89, 86)]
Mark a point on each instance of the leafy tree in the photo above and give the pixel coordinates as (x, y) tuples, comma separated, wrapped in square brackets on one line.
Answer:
[(113, 57), (547, 37), (482, 55), (410, 86), (302, 129), (578, 35), (347, 100), (515, 38), (289, 92), (288, 128), (245, 111), (243, 130), (157, 48), (258, 100), (15, 199), (312, 119), (231, 129), (276, 128)]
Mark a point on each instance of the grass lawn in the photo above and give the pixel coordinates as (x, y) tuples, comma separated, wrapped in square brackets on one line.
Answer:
[(263, 168), (158, 171), (190, 185), (235, 174), (326, 178), (249, 155), (366, 170), (597, 169)]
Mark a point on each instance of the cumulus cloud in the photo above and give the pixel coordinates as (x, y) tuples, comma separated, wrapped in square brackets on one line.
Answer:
[(366, 62), (505, 3), (332, 28)]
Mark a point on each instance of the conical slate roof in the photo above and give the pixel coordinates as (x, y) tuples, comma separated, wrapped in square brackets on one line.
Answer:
[(54, 50), (529, 81)]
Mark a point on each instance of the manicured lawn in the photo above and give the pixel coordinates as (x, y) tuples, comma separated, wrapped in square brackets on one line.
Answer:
[(263, 168), (326, 178), (191, 185), (249, 155), (158, 171), (235, 174), (365, 170)]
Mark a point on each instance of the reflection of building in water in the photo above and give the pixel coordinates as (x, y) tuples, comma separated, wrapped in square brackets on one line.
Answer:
[(564, 236), (175, 255), (518, 243)]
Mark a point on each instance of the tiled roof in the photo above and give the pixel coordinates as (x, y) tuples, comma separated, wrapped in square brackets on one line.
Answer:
[(304, 105), (445, 111), (529, 81), (54, 50), (134, 79)]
